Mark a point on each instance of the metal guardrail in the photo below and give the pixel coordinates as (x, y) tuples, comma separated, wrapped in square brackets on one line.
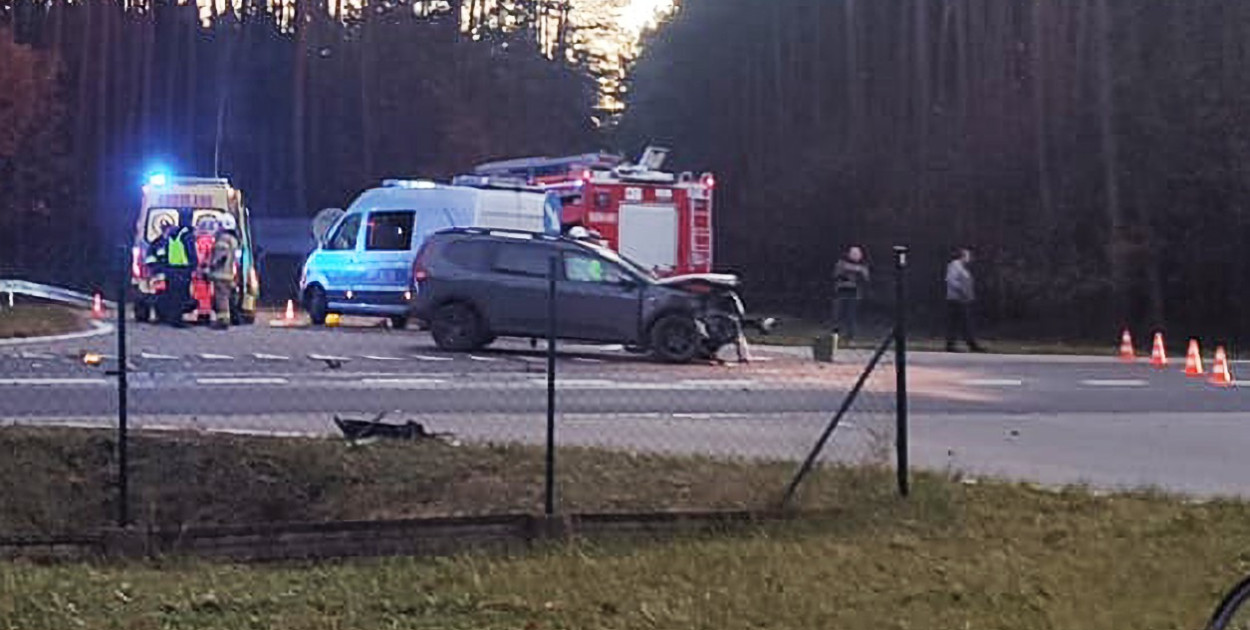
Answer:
[(8, 288)]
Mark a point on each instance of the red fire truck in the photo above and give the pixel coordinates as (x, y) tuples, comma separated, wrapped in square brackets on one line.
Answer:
[(660, 219)]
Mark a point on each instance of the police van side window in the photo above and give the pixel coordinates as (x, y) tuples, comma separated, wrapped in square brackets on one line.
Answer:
[(522, 259), (345, 237), (389, 231)]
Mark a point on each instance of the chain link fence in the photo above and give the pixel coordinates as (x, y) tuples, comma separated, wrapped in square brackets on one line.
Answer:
[(164, 428)]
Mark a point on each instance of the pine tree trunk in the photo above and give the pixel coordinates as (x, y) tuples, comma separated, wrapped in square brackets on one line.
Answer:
[(1110, 161), (298, 122)]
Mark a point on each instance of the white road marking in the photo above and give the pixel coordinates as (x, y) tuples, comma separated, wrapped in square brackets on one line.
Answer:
[(403, 382), (216, 357), (422, 357), (709, 416), (322, 357), (592, 383), (37, 355), (483, 359), (1127, 382), (718, 383), (54, 381), (260, 356), (380, 358), (994, 382), (585, 360), (259, 380), (1241, 383), (157, 357)]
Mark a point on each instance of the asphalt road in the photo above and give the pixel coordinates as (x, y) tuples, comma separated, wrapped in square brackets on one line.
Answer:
[(1049, 419)]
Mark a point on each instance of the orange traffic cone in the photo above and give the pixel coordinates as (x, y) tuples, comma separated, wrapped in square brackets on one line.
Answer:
[(1126, 346), (1193, 360), (1158, 355), (290, 310), (97, 306), (1219, 369)]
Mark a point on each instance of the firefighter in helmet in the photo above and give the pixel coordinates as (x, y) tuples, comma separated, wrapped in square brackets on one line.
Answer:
[(221, 270)]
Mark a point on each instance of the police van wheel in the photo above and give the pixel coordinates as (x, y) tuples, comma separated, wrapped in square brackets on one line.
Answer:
[(143, 312), (317, 306)]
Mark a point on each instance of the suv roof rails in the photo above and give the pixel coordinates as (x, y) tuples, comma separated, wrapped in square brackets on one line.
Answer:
[(503, 232)]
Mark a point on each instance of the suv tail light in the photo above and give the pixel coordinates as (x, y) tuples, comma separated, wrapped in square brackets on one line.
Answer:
[(419, 271)]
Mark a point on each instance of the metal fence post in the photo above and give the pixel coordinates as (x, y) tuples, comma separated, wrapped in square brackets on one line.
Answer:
[(553, 268), (900, 365), (123, 467)]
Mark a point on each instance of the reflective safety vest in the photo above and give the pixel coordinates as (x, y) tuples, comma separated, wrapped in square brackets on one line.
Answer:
[(178, 252)]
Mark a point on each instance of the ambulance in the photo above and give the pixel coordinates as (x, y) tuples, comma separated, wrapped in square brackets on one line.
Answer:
[(197, 203), (661, 219)]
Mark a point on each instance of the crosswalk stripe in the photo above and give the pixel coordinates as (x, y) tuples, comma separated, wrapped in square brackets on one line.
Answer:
[(585, 360), (260, 356), (422, 357), (379, 358), (483, 359), (216, 357), (994, 382)]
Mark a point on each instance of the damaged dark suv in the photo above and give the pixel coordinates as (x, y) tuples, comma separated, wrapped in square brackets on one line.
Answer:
[(473, 285)]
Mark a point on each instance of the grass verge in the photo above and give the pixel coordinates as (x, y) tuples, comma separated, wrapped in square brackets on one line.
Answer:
[(61, 480), (38, 319), (951, 556)]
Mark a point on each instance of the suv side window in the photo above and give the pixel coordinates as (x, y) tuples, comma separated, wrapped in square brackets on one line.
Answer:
[(469, 254), (587, 268), (345, 237), (389, 231), (523, 259)]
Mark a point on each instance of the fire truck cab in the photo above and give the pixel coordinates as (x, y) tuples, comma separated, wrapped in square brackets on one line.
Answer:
[(660, 219)]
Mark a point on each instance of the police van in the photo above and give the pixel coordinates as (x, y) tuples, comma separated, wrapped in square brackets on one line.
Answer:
[(197, 203), (363, 262)]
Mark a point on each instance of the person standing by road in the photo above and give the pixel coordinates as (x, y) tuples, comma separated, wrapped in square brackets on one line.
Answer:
[(960, 294), (850, 275), (221, 270), (175, 256)]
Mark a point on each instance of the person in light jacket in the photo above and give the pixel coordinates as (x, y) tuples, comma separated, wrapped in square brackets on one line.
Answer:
[(850, 275), (960, 294)]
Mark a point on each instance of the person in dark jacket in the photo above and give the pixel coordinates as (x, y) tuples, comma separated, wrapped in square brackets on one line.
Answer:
[(177, 247), (960, 294), (850, 276)]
